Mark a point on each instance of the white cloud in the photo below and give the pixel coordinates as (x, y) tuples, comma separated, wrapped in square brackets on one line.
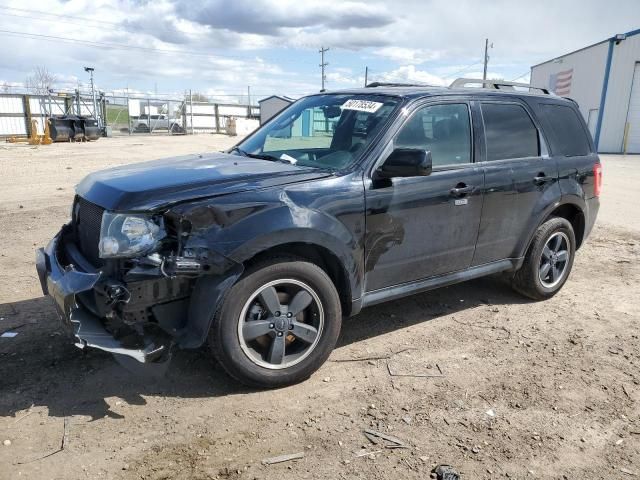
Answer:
[(409, 74), (272, 44), (269, 17), (407, 56)]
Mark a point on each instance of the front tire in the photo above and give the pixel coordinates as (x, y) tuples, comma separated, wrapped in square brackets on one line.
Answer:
[(548, 261), (278, 324)]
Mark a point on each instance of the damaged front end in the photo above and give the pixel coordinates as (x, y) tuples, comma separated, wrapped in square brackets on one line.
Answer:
[(138, 307)]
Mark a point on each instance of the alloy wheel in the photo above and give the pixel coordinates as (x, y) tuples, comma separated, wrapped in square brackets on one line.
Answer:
[(554, 260), (281, 324)]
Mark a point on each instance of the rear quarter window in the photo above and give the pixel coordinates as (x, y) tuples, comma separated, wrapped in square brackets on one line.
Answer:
[(509, 132), (567, 136)]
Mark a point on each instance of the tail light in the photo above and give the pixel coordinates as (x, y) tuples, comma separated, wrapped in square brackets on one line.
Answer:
[(597, 179)]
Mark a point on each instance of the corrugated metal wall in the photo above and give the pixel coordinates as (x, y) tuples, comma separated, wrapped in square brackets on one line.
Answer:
[(204, 115), (589, 67), (588, 75), (15, 111), (625, 56), (12, 118)]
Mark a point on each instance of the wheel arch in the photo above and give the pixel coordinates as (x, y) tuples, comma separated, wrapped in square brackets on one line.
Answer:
[(314, 253), (575, 216), (570, 211)]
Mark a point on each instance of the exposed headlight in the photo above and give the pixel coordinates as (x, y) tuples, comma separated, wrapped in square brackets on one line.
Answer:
[(125, 235)]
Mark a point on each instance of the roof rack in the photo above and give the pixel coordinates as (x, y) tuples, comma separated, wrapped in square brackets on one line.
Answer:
[(392, 84), (497, 84)]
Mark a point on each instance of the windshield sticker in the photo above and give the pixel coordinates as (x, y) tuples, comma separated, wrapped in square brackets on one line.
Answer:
[(361, 105)]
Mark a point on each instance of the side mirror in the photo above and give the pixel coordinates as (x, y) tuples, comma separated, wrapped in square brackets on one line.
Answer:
[(406, 162)]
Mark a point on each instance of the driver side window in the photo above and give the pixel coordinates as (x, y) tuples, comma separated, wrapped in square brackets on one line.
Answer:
[(444, 130)]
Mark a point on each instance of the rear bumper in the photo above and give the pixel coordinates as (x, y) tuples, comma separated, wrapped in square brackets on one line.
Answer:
[(63, 284), (593, 206)]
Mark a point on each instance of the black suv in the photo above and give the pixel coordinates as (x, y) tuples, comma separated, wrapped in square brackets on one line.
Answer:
[(342, 201)]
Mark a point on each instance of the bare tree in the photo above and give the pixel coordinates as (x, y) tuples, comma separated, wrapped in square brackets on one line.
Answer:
[(4, 88), (199, 97), (40, 81)]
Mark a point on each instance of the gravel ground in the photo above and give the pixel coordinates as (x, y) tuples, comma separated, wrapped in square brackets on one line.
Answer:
[(520, 389)]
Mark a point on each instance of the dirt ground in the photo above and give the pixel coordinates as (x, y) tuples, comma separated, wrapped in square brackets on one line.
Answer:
[(519, 389)]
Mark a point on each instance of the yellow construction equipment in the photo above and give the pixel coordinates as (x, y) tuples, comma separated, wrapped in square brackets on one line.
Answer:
[(46, 138), (34, 138)]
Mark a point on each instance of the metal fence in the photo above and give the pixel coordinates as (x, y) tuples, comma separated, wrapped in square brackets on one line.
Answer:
[(18, 111), (122, 114)]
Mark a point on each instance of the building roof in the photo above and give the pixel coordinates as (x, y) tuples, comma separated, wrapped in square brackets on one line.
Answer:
[(281, 97), (628, 34)]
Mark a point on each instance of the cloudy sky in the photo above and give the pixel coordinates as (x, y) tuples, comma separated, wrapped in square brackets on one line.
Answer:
[(219, 47)]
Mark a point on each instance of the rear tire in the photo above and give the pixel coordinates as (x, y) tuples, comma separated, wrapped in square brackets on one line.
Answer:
[(278, 324), (548, 262)]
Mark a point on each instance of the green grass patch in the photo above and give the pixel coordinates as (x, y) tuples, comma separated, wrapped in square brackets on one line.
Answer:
[(117, 114)]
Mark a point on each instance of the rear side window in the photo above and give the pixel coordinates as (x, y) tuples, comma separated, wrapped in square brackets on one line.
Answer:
[(566, 134), (509, 132)]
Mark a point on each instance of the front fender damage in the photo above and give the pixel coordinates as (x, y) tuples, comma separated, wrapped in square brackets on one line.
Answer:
[(198, 228), (137, 309)]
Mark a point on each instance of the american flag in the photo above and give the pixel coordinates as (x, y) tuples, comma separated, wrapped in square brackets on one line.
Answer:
[(560, 83)]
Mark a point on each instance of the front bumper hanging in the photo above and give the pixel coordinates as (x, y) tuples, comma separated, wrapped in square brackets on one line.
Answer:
[(63, 284)]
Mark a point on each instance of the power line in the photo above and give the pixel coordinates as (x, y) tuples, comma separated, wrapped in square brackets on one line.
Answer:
[(51, 20), (462, 70), (111, 45), (520, 76), (120, 46), (57, 15)]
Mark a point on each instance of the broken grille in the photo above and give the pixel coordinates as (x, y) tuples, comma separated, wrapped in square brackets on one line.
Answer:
[(87, 221)]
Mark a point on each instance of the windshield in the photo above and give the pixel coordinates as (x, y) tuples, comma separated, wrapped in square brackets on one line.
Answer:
[(324, 131)]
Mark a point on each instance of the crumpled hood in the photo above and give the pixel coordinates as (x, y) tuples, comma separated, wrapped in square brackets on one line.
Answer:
[(159, 183)]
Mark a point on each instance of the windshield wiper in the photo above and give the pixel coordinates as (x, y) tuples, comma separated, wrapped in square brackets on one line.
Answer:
[(239, 150), (262, 156)]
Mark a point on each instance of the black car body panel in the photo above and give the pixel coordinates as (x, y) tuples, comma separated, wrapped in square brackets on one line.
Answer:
[(379, 239), (155, 184)]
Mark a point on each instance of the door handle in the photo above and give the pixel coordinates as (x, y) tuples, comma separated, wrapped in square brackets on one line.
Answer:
[(460, 190), (541, 179)]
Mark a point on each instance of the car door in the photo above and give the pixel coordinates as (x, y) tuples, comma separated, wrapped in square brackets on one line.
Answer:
[(520, 178), (419, 227)]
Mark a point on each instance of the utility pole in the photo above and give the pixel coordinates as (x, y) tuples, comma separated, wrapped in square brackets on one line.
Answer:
[(323, 64), (248, 101), (93, 95), (366, 75), (191, 109), (486, 57)]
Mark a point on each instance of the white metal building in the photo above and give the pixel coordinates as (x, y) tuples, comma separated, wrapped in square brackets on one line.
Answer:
[(604, 79)]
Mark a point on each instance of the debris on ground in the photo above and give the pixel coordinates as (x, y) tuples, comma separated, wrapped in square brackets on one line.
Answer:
[(379, 438), (364, 454), (395, 373), (628, 472), (445, 472), (63, 444), (11, 332), (283, 458), (373, 357)]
